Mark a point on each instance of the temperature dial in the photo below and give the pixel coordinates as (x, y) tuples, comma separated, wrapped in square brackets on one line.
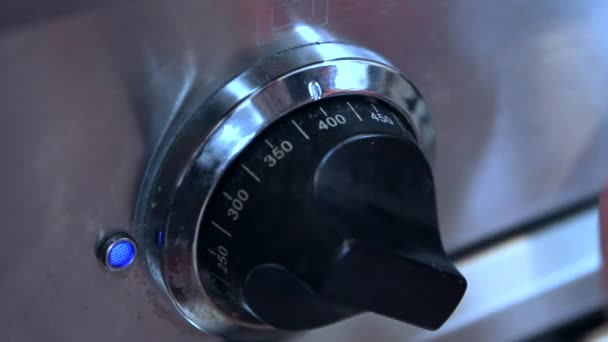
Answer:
[(330, 212), (298, 195)]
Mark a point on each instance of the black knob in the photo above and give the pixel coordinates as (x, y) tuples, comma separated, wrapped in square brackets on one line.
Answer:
[(331, 212)]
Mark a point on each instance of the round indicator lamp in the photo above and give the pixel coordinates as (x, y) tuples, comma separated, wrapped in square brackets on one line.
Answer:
[(118, 252)]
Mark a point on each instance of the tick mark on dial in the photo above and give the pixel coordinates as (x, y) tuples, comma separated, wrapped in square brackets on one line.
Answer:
[(253, 175), (215, 276), (323, 111), (354, 111), (301, 130), (221, 229)]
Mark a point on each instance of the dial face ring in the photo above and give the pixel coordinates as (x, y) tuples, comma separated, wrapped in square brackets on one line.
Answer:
[(270, 188), (167, 218)]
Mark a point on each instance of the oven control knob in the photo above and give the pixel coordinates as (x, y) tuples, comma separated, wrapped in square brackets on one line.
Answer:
[(297, 195), (330, 212)]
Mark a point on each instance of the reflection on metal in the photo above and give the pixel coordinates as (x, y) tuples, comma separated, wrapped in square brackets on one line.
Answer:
[(530, 283), (277, 17), (598, 335), (517, 288)]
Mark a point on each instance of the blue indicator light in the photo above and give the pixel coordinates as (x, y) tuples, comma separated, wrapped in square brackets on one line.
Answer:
[(121, 254), (160, 239)]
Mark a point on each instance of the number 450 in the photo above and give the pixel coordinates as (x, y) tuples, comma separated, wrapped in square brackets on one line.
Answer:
[(382, 118)]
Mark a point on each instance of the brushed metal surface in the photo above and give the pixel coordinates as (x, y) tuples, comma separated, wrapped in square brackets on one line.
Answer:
[(517, 89)]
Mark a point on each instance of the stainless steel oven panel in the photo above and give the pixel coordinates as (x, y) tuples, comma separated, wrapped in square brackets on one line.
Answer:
[(517, 89)]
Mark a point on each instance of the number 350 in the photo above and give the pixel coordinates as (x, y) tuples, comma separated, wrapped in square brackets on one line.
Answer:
[(278, 153)]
